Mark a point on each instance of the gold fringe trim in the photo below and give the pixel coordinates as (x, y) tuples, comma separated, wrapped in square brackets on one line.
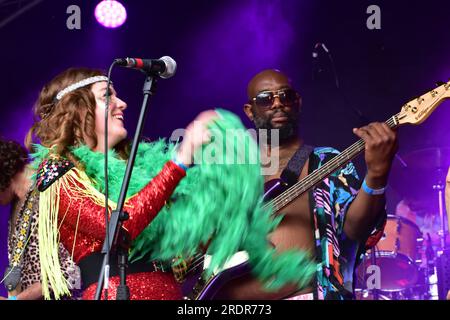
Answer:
[(51, 273), (48, 229)]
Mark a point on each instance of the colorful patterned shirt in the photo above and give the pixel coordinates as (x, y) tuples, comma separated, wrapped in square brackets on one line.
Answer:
[(337, 255)]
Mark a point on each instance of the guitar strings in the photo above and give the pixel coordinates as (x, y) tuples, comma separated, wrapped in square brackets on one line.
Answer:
[(314, 178), (328, 168), (195, 264), (283, 199), (306, 181)]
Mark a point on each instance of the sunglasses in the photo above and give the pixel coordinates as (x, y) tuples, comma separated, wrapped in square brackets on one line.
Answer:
[(265, 99)]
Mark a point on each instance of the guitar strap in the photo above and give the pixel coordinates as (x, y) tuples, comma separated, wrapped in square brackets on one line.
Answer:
[(290, 176), (295, 165)]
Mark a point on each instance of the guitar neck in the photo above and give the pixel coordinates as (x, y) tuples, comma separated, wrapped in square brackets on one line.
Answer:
[(323, 172)]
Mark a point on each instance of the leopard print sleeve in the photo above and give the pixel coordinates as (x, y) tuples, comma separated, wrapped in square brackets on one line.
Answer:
[(31, 271)]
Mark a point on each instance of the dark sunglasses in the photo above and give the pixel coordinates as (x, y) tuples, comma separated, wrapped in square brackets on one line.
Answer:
[(265, 99)]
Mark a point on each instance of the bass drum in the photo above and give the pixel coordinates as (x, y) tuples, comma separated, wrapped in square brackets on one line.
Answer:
[(395, 259)]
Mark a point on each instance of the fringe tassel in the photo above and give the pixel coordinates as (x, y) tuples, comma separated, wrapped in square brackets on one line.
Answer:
[(75, 177), (51, 273)]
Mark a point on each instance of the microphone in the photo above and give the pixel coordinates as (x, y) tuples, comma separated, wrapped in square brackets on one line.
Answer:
[(164, 67), (315, 54)]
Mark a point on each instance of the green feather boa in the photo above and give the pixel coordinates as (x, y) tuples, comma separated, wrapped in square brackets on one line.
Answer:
[(217, 202)]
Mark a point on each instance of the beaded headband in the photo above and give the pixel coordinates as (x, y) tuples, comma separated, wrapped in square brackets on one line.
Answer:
[(79, 84)]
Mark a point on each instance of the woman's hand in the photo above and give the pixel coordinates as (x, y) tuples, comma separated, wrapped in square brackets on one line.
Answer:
[(195, 136)]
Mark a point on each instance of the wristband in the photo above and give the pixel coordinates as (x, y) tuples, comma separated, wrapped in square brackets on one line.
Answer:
[(12, 298), (370, 191), (180, 164)]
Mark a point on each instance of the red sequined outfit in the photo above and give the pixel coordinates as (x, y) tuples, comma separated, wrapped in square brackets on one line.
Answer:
[(143, 286), (83, 222)]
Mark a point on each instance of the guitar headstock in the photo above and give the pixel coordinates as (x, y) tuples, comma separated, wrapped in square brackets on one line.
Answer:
[(418, 110)]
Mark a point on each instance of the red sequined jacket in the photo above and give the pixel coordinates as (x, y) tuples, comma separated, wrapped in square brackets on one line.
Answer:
[(83, 221)]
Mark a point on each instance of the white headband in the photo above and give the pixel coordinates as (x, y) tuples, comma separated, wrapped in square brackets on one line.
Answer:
[(79, 84)]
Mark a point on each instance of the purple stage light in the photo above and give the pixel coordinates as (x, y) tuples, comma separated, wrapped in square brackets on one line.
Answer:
[(110, 13)]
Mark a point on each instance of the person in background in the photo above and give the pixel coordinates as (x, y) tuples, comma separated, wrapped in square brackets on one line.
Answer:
[(23, 277)]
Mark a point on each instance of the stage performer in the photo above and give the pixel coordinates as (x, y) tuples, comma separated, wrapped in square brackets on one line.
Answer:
[(22, 278), (70, 118), (335, 219)]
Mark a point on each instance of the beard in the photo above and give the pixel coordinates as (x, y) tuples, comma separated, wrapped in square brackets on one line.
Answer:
[(288, 130)]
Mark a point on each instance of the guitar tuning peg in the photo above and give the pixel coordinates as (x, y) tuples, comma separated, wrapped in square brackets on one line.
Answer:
[(440, 83)]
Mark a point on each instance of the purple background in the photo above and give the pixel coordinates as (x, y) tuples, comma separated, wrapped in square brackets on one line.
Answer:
[(220, 45)]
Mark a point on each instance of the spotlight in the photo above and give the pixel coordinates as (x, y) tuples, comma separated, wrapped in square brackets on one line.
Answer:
[(110, 13)]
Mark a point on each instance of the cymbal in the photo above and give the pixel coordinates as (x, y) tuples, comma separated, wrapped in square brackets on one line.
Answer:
[(417, 173), (427, 159)]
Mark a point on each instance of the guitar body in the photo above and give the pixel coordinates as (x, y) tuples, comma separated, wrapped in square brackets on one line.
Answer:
[(273, 188), (207, 289)]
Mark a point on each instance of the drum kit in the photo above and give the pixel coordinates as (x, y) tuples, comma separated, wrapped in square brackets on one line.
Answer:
[(411, 260)]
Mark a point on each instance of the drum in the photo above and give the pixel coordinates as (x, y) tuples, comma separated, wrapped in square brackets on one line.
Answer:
[(396, 257), (418, 293), (369, 295)]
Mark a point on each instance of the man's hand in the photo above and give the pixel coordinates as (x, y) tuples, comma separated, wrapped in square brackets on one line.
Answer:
[(381, 146), (3, 298)]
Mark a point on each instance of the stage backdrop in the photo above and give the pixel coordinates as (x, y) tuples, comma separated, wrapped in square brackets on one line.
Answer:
[(220, 45)]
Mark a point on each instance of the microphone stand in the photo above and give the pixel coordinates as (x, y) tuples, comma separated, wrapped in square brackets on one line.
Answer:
[(373, 257), (117, 236), (363, 120), (440, 188)]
